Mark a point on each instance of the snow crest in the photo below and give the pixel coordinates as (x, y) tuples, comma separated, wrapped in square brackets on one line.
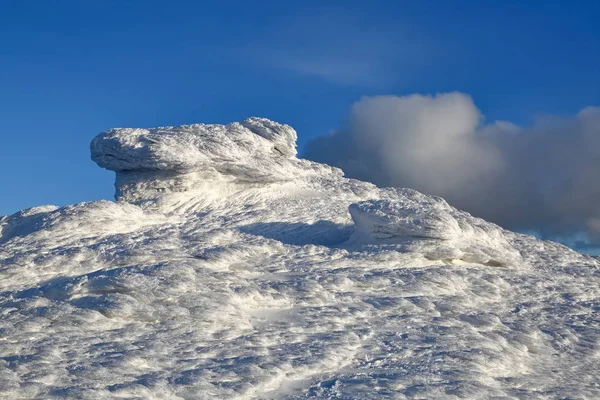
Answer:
[(230, 269)]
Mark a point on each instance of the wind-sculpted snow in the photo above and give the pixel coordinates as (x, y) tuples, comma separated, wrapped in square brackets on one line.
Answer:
[(296, 283)]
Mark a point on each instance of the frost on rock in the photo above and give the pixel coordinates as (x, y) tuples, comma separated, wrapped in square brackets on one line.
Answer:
[(231, 269)]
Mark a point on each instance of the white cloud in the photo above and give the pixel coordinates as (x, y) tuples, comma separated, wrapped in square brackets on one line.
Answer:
[(540, 178)]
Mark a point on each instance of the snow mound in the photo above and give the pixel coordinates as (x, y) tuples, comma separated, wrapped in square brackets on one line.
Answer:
[(405, 217), (231, 269), (415, 219)]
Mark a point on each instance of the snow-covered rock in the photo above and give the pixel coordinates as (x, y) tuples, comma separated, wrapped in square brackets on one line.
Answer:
[(229, 268), (147, 161)]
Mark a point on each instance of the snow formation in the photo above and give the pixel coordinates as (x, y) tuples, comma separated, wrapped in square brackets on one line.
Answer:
[(229, 268)]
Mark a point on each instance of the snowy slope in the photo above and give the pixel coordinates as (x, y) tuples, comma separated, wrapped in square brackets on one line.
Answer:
[(231, 269)]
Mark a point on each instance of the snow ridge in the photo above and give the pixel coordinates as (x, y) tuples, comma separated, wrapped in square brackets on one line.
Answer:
[(229, 268)]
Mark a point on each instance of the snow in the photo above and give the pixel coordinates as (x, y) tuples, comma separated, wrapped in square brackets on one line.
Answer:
[(231, 269)]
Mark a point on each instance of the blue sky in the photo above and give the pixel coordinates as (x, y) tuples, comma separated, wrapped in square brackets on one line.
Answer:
[(70, 69)]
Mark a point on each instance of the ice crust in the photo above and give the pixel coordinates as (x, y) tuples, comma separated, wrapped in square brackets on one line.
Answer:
[(231, 269)]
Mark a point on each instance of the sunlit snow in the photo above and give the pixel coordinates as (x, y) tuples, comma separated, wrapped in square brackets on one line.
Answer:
[(229, 268)]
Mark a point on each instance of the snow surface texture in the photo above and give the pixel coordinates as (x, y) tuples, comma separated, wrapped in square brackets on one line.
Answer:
[(231, 269)]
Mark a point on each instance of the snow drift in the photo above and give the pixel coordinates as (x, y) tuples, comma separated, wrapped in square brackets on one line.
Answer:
[(229, 268)]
